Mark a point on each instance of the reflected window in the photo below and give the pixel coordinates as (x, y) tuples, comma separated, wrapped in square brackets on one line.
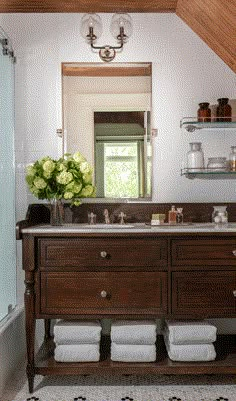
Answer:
[(121, 170), (122, 155)]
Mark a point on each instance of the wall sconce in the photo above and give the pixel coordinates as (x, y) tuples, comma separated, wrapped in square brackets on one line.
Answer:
[(121, 29)]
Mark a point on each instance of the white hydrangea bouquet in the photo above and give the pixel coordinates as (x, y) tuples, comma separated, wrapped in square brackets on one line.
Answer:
[(69, 178)]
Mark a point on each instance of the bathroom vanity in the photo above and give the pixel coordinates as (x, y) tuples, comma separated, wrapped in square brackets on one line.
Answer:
[(75, 272)]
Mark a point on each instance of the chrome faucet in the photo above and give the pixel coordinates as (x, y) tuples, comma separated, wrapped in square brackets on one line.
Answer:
[(106, 215)]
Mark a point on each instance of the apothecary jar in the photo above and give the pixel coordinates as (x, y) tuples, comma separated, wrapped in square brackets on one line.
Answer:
[(195, 157)]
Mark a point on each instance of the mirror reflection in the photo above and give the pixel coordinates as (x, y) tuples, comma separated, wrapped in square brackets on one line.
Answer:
[(106, 116)]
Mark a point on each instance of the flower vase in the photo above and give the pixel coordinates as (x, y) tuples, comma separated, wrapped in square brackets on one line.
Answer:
[(57, 212)]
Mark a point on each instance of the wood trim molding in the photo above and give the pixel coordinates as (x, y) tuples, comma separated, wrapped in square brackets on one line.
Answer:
[(214, 22), (85, 6), (107, 71)]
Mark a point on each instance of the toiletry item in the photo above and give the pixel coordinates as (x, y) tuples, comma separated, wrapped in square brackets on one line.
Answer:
[(204, 112), (179, 215), (195, 157), (232, 159), (216, 164), (224, 110), (220, 215), (157, 218), (172, 215)]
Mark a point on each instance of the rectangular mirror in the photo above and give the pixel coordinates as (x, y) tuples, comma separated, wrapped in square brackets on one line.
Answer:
[(107, 117)]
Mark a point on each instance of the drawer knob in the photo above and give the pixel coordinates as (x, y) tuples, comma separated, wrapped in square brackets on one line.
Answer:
[(234, 293), (104, 254), (234, 252), (103, 294)]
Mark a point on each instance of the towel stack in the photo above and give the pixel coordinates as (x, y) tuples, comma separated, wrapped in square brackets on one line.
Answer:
[(77, 341), (133, 341), (190, 341)]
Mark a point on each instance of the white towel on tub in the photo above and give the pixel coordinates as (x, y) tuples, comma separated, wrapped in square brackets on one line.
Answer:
[(190, 352), (77, 332), (190, 332), (133, 353), (77, 353), (134, 332)]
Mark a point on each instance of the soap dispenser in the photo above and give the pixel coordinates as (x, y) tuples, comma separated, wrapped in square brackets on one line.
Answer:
[(172, 215)]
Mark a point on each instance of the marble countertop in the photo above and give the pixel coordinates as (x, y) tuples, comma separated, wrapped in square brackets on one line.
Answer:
[(131, 228)]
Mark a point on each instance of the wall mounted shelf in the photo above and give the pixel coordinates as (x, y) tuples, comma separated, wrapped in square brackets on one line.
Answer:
[(208, 174), (191, 124)]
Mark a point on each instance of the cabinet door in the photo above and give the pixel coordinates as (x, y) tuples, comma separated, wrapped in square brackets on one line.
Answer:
[(204, 293), (103, 293)]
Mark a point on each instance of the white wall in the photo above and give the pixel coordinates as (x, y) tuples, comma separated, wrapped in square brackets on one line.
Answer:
[(185, 73)]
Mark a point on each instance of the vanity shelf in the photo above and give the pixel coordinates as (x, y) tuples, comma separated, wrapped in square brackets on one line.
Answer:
[(224, 363), (191, 124)]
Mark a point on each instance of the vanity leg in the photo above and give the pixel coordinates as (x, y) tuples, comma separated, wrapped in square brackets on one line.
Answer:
[(30, 327), (47, 327)]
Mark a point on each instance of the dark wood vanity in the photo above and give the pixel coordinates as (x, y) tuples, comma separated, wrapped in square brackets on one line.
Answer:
[(131, 275)]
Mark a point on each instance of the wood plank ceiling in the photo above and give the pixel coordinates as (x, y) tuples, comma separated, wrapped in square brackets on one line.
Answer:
[(86, 6), (214, 21)]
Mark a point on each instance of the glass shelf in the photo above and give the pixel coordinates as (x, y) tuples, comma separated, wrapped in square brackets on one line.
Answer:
[(206, 173), (191, 123)]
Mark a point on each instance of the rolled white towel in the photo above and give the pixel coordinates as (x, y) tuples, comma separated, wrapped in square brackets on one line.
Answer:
[(134, 332), (195, 332), (133, 353), (77, 332), (190, 352), (77, 353)]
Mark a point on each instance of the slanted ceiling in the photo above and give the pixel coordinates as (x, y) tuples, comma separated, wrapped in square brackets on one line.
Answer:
[(213, 20)]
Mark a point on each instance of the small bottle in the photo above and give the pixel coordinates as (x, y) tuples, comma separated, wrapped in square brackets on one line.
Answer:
[(195, 157), (232, 159), (179, 215), (204, 112), (224, 110), (172, 215)]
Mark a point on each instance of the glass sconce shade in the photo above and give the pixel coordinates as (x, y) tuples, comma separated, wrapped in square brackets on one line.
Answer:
[(121, 21), (88, 22)]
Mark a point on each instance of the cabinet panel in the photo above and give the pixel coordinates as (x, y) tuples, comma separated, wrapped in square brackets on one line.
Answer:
[(83, 292), (203, 252), (97, 253), (204, 293)]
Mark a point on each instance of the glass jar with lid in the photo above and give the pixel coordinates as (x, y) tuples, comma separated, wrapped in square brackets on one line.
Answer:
[(216, 164), (220, 215), (195, 157), (232, 159)]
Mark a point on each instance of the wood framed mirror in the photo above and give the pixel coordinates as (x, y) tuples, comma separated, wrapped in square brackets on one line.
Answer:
[(107, 117)]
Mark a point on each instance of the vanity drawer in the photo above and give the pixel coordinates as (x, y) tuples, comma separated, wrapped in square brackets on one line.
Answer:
[(204, 293), (105, 293), (200, 252), (98, 253)]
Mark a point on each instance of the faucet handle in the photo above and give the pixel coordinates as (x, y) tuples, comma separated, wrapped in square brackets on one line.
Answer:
[(122, 215), (106, 215)]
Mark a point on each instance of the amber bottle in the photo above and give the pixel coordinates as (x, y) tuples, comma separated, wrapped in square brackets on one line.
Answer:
[(224, 110), (204, 112)]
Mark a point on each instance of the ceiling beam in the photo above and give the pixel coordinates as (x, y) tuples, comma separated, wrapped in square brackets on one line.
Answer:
[(214, 21), (85, 6)]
